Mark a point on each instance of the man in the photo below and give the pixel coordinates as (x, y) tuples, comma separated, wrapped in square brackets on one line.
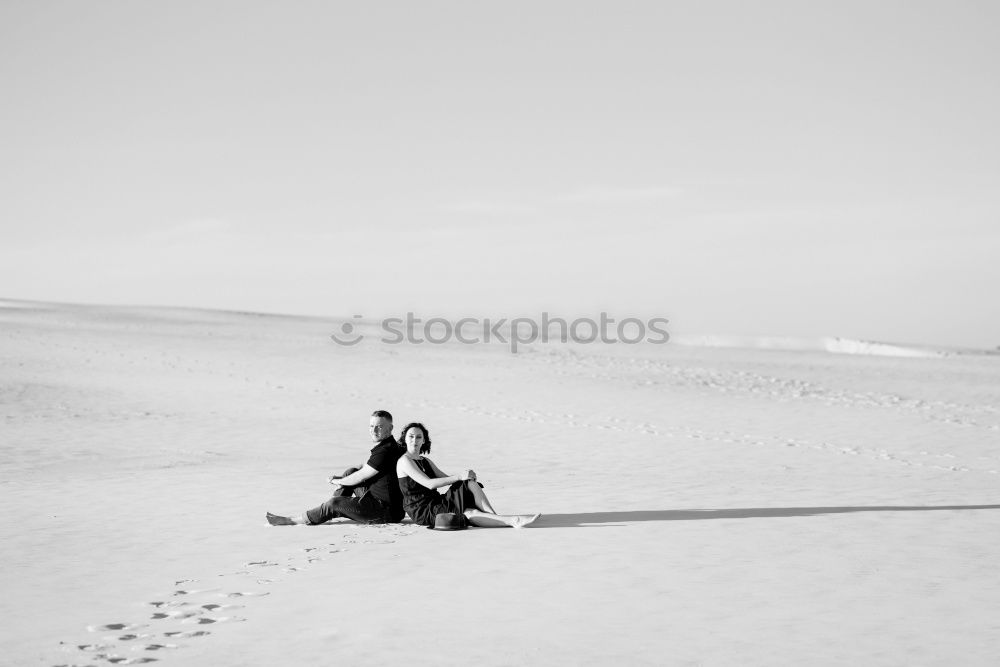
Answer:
[(369, 494)]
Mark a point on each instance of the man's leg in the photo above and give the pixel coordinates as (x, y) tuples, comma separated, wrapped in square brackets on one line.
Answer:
[(355, 509), (366, 512)]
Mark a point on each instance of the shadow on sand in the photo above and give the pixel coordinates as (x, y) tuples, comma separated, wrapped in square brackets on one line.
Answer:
[(600, 519)]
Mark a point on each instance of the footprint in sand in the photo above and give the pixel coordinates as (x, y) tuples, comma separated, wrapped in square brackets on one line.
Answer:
[(170, 603), (208, 620), (192, 613), (114, 627), (154, 647), (186, 634), (116, 659), (177, 614), (122, 660), (194, 591), (93, 647)]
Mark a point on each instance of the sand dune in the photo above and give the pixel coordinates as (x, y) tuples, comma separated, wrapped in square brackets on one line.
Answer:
[(833, 344), (717, 505)]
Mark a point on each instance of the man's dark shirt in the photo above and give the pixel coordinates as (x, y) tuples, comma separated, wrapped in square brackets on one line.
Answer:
[(384, 484)]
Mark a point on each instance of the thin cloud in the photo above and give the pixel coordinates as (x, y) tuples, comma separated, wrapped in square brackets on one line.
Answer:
[(596, 195), (190, 230), (618, 195), (484, 207)]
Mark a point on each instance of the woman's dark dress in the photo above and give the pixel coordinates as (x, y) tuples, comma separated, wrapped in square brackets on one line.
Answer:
[(423, 504)]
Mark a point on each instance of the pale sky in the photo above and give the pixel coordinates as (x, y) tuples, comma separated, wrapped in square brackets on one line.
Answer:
[(772, 168)]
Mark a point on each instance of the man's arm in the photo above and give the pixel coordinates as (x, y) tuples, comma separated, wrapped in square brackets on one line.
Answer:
[(356, 478)]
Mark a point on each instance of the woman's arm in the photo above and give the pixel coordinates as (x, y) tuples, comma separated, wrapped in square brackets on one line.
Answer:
[(440, 473), (407, 468), (437, 471)]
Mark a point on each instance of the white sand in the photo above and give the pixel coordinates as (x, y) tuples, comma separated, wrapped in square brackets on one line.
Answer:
[(701, 506)]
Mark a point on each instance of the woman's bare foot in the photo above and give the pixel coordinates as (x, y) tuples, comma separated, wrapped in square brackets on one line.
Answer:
[(522, 520)]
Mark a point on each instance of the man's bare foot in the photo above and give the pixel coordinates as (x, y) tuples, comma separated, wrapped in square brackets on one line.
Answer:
[(277, 520), (522, 520)]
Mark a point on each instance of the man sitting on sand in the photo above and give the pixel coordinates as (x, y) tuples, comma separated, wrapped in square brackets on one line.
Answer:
[(366, 495)]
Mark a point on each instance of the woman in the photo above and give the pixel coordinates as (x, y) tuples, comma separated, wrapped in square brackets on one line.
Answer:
[(419, 480)]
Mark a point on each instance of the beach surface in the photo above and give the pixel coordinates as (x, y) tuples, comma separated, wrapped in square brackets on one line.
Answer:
[(701, 505)]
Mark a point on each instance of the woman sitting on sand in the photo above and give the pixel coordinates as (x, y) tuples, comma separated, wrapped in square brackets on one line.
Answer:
[(419, 480)]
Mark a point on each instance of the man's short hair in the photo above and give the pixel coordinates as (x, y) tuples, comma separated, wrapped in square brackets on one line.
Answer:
[(382, 414)]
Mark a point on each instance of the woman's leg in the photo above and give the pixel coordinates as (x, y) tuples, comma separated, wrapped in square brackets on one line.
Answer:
[(484, 516), (490, 520), (479, 497)]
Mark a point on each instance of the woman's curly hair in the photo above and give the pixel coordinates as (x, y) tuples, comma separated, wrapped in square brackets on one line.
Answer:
[(426, 447)]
